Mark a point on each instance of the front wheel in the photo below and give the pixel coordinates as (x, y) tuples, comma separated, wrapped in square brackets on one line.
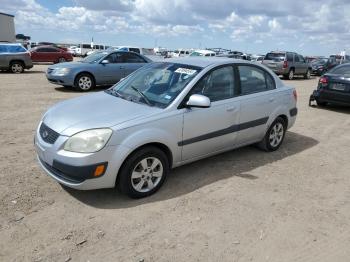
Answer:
[(84, 82), (274, 135), (17, 67), (61, 60), (143, 173)]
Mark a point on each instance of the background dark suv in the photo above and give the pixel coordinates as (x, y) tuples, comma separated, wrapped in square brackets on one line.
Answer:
[(288, 64)]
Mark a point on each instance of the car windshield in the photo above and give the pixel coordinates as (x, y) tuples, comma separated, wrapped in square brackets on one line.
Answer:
[(156, 84), (148, 51), (275, 56), (319, 61), (94, 57)]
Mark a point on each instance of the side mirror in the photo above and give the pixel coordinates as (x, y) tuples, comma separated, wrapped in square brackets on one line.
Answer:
[(198, 101), (104, 62)]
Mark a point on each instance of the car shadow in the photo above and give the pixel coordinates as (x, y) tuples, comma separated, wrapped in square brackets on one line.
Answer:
[(235, 164), (334, 108), (72, 90), (25, 72)]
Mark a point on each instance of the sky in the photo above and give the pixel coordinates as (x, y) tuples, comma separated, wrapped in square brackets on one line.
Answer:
[(310, 27)]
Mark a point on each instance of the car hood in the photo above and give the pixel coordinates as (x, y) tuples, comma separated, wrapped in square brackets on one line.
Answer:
[(96, 110)]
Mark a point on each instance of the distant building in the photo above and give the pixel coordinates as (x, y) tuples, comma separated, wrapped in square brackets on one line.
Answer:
[(7, 28)]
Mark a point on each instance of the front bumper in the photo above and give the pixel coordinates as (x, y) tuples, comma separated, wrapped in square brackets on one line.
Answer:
[(67, 80), (76, 170)]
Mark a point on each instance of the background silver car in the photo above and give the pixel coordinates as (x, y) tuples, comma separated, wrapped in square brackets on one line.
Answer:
[(162, 116), (99, 68), (14, 57)]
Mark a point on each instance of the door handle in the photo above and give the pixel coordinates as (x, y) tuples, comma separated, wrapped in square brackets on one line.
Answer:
[(231, 109), (122, 67)]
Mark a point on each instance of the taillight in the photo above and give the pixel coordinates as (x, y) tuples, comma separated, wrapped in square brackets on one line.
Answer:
[(285, 64), (323, 80), (295, 94)]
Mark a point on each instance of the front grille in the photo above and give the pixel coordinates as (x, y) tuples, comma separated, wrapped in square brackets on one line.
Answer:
[(47, 134)]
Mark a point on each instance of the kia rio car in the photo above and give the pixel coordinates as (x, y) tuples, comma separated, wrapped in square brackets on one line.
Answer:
[(164, 115)]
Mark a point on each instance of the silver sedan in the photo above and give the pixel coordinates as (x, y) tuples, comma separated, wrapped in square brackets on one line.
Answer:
[(162, 116)]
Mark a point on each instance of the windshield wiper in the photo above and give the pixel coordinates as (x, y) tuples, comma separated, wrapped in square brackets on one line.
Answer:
[(142, 95)]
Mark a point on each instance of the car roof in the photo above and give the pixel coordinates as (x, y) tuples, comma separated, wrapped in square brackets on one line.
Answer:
[(202, 61), (5, 43)]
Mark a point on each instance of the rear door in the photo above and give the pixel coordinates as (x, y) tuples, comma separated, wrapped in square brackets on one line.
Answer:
[(208, 130), (303, 65), (131, 62), (111, 73), (258, 100)]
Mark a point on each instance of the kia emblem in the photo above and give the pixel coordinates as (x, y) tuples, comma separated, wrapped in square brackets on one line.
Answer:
[(45, 134)]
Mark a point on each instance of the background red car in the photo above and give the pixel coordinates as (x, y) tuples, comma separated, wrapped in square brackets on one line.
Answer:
[(50, 54)]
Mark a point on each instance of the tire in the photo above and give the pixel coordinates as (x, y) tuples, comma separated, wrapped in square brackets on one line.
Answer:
[(137, 177), (274, 135), (321, 104), (16, 67), (84, 82), (291, 74), (308, 74), (61, 60)]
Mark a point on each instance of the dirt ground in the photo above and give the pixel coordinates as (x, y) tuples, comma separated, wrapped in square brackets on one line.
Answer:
[(244, 205)]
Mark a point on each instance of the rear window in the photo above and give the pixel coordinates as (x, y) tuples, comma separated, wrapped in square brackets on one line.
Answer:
[(341, 70), (275, 56), (12, 49)]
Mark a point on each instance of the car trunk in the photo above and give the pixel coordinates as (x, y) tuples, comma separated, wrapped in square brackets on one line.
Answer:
[(338, 88)]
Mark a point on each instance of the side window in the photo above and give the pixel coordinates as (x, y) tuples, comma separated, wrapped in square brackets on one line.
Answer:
[(289, 57), (296, 58), (133, 58), (217, 85), (41, 50), (301, 59), (136, 50), (254, 80), (115, 58)]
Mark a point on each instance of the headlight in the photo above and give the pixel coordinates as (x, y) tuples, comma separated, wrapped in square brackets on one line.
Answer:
[(88, 141), (60, 71)]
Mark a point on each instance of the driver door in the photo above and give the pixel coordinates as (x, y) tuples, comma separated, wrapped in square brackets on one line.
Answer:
[(208, 130)]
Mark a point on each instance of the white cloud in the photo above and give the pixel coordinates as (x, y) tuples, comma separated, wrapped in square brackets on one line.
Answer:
[(300, 22)]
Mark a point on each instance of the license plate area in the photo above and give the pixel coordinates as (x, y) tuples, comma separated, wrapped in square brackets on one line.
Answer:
[(339, 87)]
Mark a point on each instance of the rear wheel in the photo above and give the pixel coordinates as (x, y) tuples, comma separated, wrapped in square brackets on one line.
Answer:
[(274, 135), (84, 82), (291, 74), (308, 74), (61, 60), (17, 67), (143, 173)]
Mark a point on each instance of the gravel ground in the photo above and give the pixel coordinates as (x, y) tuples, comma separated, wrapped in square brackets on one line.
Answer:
[(244, 205)]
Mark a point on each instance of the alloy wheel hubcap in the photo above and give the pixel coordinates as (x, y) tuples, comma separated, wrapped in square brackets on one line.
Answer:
[(291, 75), (147, 174), (16, 68), (276, 135), (85, 83)]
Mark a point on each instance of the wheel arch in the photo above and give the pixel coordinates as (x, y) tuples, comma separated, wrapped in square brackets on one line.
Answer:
[(164, 148), (84, 72)]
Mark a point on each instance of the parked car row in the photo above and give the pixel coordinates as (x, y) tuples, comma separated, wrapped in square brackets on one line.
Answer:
[(15, 58)]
